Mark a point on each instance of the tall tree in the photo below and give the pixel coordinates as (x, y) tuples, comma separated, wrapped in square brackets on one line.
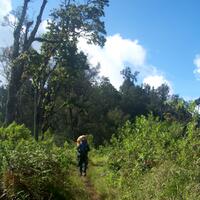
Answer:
[(3, 95), (163, 95), (59, 71), (129, 78), (24, 35), (133, 97)]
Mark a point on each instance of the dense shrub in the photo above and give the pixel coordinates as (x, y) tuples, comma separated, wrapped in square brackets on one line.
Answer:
[(30, 169), (152, 159)]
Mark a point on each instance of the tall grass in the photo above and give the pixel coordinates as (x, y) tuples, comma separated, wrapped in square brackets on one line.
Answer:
[(152, 159)]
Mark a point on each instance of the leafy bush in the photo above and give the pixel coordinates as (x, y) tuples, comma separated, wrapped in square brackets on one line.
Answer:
[(14, 133), (30, 169), (152, 159)]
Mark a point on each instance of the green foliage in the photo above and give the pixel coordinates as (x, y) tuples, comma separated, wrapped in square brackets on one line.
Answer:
[(151, 159), (15, 133), (33, 170)]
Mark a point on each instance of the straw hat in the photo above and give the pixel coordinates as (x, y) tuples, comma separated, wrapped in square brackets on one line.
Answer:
[(80, 138)]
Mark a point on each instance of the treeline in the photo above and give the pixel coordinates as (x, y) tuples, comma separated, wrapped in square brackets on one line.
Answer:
[(80, 103), (57, 89)]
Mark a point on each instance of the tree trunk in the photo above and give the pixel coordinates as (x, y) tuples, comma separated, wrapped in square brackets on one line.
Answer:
[(71, 123), (36, 125), (14, 86), (16, 71)]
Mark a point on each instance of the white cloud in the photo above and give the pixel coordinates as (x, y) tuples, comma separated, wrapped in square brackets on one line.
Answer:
[(41, 30), (114, 56), (5, 7), (6, 36), (157, 80), (43, 27), (5, 32), (118, 53), (197, 64)]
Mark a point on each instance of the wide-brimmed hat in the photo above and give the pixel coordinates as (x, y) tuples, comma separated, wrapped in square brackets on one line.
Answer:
[(81, 137)]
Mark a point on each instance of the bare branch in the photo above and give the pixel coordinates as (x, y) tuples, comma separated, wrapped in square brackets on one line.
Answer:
[(18, 30), (67, 3), (29, 24), (35, 29), (38, 39)]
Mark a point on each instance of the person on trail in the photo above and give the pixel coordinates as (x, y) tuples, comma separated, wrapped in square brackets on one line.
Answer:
[(82, 151)]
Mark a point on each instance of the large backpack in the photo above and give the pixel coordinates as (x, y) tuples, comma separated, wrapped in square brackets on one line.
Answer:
[(83, 148)]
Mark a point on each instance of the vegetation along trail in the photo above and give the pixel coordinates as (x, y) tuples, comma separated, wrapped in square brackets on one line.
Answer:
[(144, 141)]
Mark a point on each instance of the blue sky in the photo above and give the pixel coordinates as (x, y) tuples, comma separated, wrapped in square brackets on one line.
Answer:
[(170, 32), (159, 38)]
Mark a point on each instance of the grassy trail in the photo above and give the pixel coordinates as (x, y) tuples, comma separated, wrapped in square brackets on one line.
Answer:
[(95, 182), (94, 186), (86, 187), (92, 193)]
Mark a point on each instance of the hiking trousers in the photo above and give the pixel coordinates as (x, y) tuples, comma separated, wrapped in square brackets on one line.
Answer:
[(83, 163)]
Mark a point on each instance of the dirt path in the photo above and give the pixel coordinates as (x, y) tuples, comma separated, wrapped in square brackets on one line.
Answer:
[(90, 189)]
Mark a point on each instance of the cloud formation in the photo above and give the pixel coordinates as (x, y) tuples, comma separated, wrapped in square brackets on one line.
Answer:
[(197, 64), (157, 80), (5, 7), (41, 30), (5, 32), (113, 57), (119, 53)]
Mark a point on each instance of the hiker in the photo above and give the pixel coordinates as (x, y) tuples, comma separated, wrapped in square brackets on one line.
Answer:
[(82, 151)]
